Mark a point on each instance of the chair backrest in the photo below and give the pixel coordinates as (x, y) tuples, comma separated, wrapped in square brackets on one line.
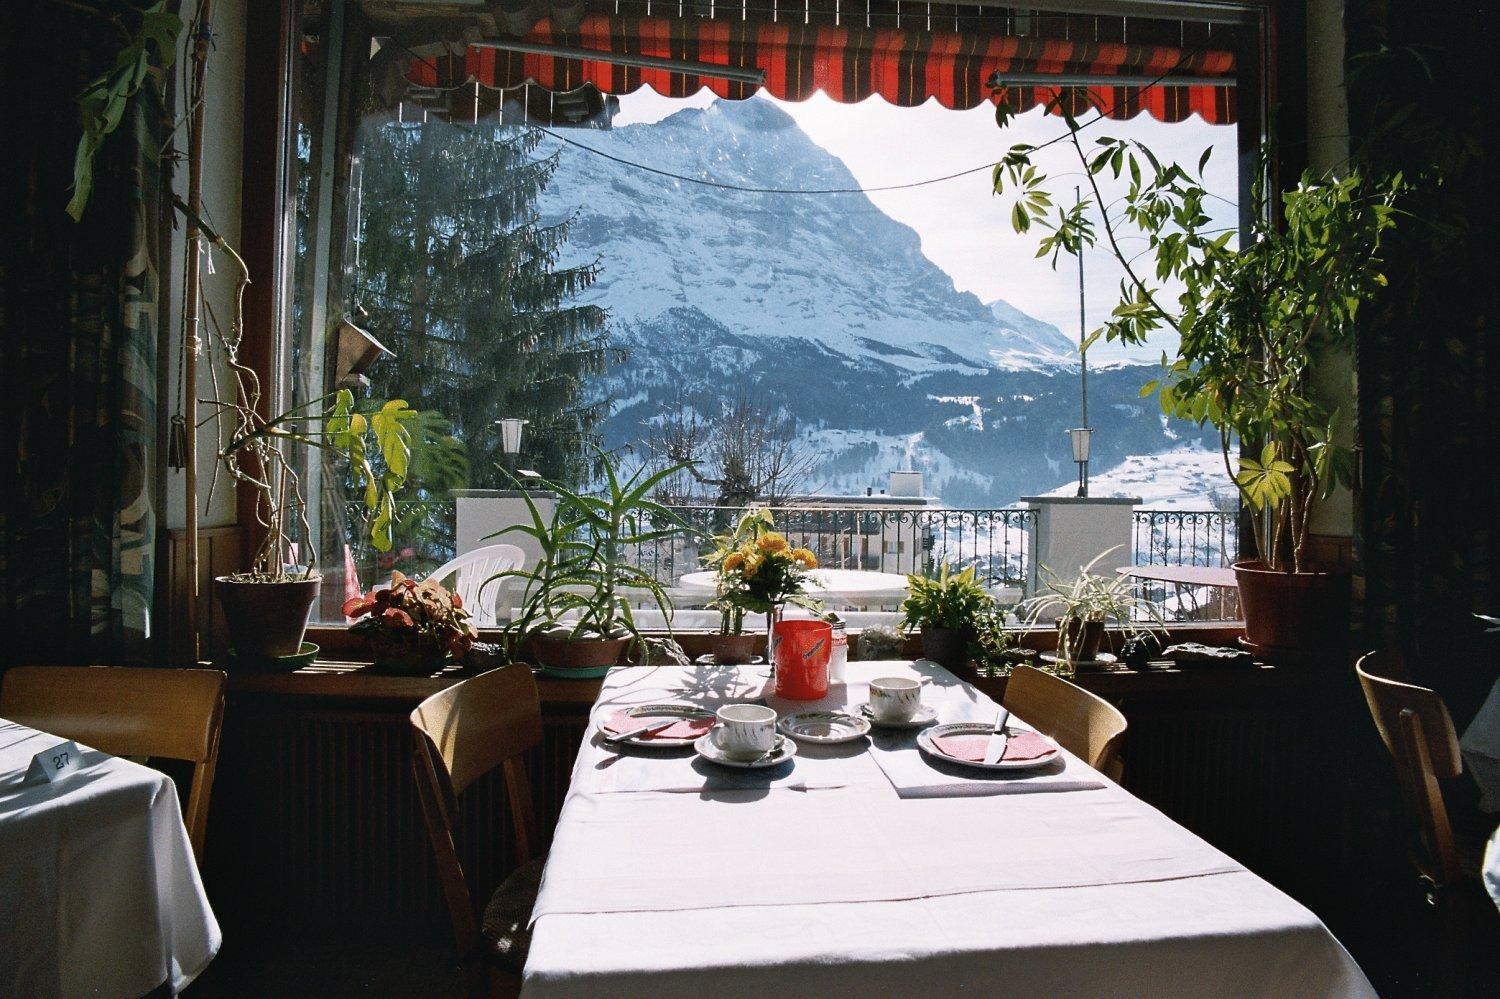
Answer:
[(1084, 724), (173, 714), (472, 569), (461, 734), (1415, 726)]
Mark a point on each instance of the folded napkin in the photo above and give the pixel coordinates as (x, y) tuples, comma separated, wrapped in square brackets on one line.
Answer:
[(971, 747), (683, 728)]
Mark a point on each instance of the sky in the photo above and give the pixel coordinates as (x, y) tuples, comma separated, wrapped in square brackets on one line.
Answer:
[(964, 228)]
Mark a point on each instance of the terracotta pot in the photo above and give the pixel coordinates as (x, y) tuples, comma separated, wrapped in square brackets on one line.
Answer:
[(734, 650), (266, 620), (1084, 638), (582, 653), (948, 647), (1295, 611)]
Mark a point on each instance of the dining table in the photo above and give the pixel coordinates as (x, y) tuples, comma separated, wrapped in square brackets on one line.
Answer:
[(99, 891), (870, 868)]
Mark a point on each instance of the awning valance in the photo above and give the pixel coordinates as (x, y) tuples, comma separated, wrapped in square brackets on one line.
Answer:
[(848, 63)]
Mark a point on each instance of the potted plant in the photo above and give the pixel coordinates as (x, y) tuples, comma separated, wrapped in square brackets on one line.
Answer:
[(576, 612), (946, 609), (412, 627), (267, 607), (1084, 607), (757, 572), (1252, 322)]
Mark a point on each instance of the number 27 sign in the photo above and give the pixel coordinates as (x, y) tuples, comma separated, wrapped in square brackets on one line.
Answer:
[(52, 764)]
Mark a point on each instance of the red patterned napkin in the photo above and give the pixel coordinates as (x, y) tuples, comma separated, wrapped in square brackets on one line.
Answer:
[(683, 728), (971, 747)]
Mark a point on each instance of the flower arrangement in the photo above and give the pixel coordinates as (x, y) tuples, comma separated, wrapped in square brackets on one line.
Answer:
[(412, 624), (758, 571)]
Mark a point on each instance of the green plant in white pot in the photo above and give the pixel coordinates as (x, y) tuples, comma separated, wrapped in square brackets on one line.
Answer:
[(1252, 322)]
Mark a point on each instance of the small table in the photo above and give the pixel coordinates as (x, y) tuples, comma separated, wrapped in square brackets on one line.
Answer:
[(101, 892), (843, 586), (1186, 575)]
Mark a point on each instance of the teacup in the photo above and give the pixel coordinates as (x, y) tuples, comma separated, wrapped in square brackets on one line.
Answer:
[(745, 731), (895, 698)]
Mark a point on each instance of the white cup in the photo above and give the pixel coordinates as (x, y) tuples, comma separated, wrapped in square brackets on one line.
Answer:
[(895, 698), (745, 731)]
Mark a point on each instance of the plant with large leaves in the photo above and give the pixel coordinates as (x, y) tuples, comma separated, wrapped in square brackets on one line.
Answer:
[(1252, 320), (584, 585)]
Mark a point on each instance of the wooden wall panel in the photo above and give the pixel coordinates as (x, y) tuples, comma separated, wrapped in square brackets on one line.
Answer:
[(221, 550)]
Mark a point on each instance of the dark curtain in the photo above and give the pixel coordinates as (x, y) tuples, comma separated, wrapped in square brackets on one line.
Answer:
[(80, 310), (1422, 100)]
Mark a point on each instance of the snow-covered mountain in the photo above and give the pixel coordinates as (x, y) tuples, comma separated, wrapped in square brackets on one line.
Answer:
[(820, 305)]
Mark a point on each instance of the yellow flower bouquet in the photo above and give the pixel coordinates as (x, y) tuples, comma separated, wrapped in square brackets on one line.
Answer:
[(758, 570)]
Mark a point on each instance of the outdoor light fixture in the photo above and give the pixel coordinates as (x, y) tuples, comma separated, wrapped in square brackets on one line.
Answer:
[(510, 434), (737, 74), (357, 353), (1081, 439)]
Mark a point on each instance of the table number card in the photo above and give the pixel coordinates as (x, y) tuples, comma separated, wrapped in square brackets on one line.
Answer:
[(51, 765)]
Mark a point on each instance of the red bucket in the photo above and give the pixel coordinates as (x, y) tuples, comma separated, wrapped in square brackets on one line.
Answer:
[(801, 657)]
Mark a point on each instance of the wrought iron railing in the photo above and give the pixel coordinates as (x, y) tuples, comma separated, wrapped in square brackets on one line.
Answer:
[(1188, 537), (880, 539)]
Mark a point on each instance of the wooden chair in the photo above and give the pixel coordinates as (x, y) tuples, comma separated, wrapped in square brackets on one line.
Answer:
[(462, 734), (1084, 724), (1414, 725), (171, 714)]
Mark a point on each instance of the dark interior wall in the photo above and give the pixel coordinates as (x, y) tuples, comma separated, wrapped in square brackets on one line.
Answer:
[(79, 316), (1422, 100)]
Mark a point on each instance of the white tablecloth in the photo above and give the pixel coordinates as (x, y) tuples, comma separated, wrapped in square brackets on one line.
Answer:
[(776, 891), (1481, 750), (99, 895)]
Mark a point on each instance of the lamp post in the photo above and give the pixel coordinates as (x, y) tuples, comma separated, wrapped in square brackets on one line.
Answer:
[(1081, 437)]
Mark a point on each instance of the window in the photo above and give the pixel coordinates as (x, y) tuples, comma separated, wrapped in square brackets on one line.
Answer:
[(804, 286)]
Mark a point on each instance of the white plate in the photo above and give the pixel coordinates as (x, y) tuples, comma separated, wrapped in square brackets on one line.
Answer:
[(926, 715), (660, 711), (925, 743), (784, 750), (824, 727)]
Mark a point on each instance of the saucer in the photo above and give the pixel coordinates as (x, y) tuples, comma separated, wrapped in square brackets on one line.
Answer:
[(926, 715), (783, 750), (824, 727)]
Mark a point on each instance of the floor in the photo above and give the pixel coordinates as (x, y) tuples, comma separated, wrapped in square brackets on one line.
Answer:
[(401, 968)]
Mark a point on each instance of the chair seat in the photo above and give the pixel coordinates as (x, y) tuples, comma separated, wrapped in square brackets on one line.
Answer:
[(507, 917)]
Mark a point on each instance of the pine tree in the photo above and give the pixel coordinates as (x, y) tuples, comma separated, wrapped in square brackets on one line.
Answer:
[(456, 274)]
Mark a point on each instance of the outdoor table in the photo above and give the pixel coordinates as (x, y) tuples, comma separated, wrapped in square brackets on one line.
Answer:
[(671, 877), (98, 887), (1183, 575), (1481, 750), (843, 586)]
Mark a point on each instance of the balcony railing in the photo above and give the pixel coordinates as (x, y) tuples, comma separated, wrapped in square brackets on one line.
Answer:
[(896, 539)]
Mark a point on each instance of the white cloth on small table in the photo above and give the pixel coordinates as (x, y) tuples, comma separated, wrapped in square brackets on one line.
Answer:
[(1079, 892), (99, 892), (1481, 750)]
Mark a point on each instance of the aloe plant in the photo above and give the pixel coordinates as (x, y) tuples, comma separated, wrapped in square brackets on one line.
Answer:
[(583, 582)]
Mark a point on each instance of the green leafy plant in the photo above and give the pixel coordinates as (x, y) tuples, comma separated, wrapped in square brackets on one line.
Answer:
[(951, 600), (757, 570), (1251, 319), (412, 623), (584, 583), (1090, 598), (993, 640)]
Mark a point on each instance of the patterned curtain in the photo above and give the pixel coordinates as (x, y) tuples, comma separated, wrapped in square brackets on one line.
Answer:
[(1422, 99), (80, 311)]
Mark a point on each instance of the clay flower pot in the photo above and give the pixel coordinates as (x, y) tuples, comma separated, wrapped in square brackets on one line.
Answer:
[(1293, 611), (734, 650), (577, 653), (266, 620), (948, 647)]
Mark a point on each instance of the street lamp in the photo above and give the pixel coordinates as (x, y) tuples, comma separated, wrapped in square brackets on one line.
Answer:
[(510, 435), (1081, 439)]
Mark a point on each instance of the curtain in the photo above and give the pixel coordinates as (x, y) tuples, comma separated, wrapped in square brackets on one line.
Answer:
[(80, 317), (1422, 100)]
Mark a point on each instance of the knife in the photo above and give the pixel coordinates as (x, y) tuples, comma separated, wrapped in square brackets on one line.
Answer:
[(642, 730), (995, 751)]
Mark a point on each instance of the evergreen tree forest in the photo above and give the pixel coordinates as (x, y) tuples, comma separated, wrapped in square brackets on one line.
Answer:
[(455, 272)]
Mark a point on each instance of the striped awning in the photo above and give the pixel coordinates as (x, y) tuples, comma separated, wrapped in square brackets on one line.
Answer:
[(905, 66)]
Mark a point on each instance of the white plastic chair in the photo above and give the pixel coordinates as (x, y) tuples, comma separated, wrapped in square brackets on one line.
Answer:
[(472, 569)]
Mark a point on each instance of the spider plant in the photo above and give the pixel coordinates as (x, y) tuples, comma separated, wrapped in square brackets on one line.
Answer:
[(1090, 599)]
